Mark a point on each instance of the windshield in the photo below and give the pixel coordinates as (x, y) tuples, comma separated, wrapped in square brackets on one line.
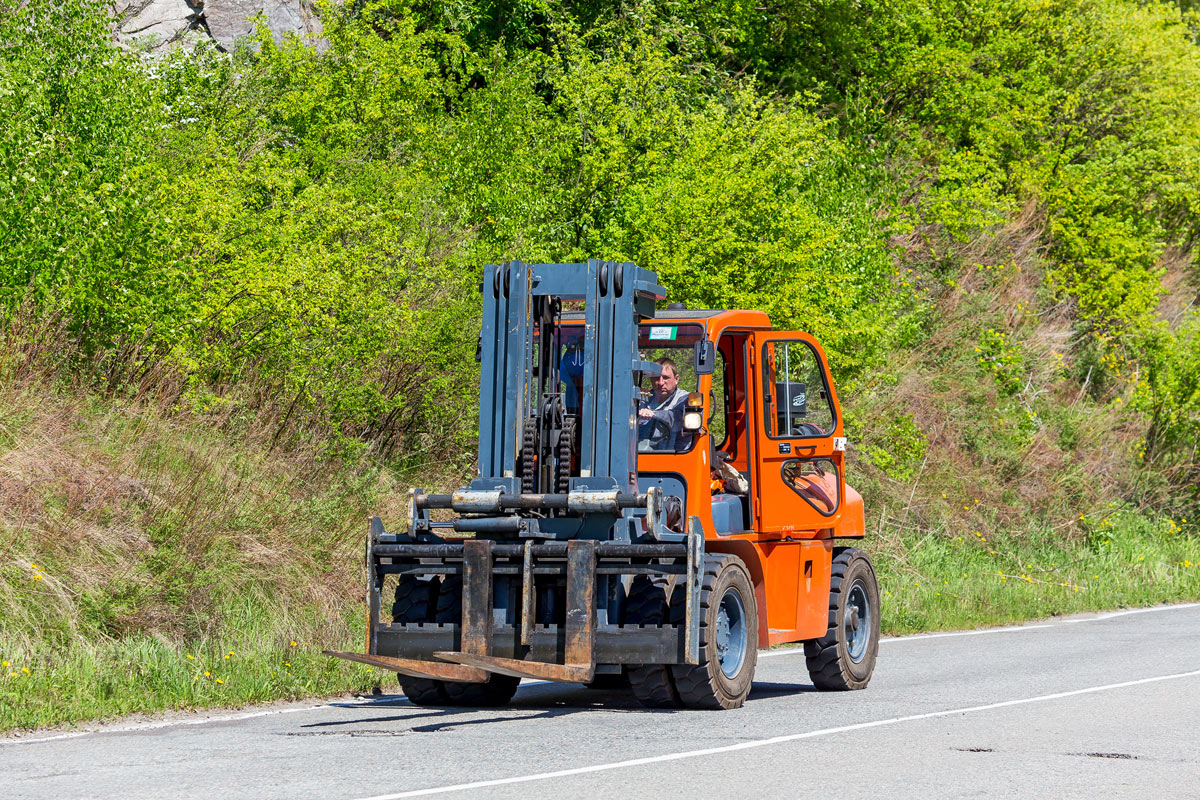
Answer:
[(661, 398)]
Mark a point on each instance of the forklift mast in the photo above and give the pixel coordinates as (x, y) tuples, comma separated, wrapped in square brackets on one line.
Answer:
[(522, 413), (533, 564)]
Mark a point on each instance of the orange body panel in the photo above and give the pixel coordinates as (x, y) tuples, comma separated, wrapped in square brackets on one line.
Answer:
[(789, 548), (853, 524)]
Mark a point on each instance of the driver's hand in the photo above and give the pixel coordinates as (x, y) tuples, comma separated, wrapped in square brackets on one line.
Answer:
[(645, 413)]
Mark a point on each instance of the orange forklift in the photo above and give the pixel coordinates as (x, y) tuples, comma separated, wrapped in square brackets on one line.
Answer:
[(659, 496)]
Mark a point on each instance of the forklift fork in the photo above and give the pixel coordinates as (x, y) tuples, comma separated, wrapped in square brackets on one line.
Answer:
[(580, 655)]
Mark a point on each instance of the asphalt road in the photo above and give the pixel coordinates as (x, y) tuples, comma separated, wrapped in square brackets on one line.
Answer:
[(1089, 706)]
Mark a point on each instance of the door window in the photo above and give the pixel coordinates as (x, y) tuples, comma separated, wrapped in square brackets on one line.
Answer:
[(796, 396), (815, 480)]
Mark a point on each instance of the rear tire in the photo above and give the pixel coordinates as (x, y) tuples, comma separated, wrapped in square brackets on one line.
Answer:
[(415, 601), (844, 657), (647, 604), (728, 639)]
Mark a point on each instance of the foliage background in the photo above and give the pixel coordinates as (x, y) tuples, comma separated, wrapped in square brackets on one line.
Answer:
[(987, 211)]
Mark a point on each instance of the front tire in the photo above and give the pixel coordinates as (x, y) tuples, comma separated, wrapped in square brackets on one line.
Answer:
[(844, 657), (648, 604), (415, 601), (728, 639), (498, 689)]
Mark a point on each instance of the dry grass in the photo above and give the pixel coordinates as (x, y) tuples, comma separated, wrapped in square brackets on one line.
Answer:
[(1016, 504), (104, 491), (993, 462), (150, 512), (165, 549)]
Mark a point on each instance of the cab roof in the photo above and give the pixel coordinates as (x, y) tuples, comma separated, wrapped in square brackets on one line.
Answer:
[(718, 317)]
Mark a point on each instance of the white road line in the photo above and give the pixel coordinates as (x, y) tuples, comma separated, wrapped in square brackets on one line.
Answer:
[(790, 651), (637, 762), (528, 682), (1111, 614), (170, 723)]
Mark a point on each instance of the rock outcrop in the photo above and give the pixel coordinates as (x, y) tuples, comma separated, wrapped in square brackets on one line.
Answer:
[(159, 24)]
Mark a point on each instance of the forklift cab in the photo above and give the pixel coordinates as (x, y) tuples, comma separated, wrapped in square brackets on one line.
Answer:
[(768, 410), (677, 350), (757, 399)]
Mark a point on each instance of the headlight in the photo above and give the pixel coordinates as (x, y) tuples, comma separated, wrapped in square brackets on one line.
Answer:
[(693, 421)]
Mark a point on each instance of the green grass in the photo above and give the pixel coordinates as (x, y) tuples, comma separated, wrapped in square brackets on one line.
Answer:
[(967, 580), (252, 661), (153, 561)]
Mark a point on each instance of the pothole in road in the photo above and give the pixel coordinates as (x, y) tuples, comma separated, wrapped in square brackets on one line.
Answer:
[(1106, 755)]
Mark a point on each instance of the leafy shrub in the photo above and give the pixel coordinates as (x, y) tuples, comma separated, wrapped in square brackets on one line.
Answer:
[(1000, 357)]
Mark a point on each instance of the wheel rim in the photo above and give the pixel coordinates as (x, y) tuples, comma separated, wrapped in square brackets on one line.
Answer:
[(856, 622), (731, 633)]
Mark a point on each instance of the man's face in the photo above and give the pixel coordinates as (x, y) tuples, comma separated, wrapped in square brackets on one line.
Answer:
[(664, 384)]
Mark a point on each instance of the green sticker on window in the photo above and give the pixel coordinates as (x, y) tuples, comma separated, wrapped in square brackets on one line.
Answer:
[(664, 333)]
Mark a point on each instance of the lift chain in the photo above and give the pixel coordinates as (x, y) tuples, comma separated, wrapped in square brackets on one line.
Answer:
[(566, 450), (529, 456)]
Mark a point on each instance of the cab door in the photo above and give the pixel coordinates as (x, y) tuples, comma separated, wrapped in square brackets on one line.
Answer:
[(800, 449)]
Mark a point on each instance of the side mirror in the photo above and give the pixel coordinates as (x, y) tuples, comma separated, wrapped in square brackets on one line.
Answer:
[(704, 360)]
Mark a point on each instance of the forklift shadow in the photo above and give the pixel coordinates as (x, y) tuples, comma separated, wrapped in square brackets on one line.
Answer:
[(622, 699), (534, 702), (761, 690), (441, 719)]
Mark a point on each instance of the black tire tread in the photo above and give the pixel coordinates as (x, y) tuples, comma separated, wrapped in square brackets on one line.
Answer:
[(415, 601), (697, 684), (497, 690), (647, 604), (822, 657)]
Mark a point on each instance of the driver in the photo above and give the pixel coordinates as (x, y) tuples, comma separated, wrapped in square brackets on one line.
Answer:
[(660, 417)]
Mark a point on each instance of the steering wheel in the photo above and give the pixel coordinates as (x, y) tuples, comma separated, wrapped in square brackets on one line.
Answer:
[(650, 429)]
